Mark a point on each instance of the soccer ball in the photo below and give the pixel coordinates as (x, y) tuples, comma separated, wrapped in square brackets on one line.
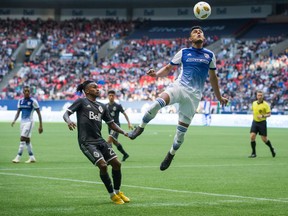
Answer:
[(202, 10)]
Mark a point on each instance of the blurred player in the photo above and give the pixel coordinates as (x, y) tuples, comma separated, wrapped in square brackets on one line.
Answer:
[(27, 105), (196, 62), (90, 114), (261, 111), (207, 112), (114, 110)]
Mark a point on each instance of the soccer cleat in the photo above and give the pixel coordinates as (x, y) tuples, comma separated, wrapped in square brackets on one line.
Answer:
[(125, 157), (31, 160), (273, 152), (252, 156), (16, 160), (116, 199), (123, 197), (166, 162), (135, 133)]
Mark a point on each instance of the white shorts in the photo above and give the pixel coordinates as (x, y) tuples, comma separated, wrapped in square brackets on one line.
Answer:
[(187, 98), (26, 129)]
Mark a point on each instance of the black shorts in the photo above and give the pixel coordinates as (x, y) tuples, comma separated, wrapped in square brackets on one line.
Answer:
[(259, 127), (113, 133), (96, 151)]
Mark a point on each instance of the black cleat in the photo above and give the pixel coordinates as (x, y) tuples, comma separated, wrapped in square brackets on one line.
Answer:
[(252, 156), (135, 133), (166, 162), (125, 157), (273, 152)]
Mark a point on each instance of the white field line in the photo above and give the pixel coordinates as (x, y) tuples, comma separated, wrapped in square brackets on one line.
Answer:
[(149, 188), (141, 166)]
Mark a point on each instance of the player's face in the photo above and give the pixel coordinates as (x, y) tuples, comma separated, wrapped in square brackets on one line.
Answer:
[(93, 90), (111, 97), (259, 97), (26, 92), (197, 36)]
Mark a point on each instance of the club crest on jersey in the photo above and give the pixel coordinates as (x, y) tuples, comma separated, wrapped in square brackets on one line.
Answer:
[(206, 55), (114, 108), (100, 109)]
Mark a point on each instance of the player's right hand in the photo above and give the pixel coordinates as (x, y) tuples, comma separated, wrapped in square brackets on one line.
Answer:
[(71, 125), (151, 72)]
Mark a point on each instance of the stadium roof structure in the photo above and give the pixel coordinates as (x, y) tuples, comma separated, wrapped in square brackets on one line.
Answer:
[(126, 3)]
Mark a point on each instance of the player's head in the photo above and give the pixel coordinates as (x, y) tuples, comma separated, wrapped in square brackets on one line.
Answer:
[(111, 95), (197, 36), (88, 87), (26, 91), (259, 96)]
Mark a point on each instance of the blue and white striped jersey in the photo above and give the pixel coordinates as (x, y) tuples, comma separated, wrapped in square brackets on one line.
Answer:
[(195, 64), (27, 107)]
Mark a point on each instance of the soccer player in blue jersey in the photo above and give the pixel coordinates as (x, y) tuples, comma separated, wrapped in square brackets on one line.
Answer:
[(196, 63), (90, 114), (27, 105)]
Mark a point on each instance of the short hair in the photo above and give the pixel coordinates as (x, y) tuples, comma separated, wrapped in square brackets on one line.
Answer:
[(259, 91), (196, 27), (111, 92)]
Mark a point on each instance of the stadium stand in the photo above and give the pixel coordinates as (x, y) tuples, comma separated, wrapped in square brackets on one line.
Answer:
[(69, 51)]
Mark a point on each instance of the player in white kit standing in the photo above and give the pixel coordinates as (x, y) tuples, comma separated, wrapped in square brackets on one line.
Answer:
[(27, 105)]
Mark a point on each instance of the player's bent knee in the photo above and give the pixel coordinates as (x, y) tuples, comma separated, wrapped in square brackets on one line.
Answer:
[(102, 166)]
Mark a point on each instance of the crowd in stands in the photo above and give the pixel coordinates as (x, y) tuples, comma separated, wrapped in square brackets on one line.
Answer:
[(11, 35), (67, 58)]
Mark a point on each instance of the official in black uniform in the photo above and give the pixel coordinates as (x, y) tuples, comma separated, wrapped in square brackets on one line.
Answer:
[(90, 114)]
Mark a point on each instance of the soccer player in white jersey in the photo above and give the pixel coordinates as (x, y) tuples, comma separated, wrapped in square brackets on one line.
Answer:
[(27, 105), (196, 63)]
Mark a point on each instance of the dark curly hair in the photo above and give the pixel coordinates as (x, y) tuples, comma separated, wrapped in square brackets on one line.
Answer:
[(81, 87)]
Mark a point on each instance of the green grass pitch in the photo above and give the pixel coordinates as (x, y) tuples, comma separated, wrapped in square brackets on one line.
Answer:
[(211, 174)]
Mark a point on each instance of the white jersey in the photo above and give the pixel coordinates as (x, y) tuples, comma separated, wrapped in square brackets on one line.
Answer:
[(27, 107), (195, 64)]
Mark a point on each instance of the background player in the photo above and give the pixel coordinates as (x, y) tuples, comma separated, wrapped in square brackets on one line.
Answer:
[(27, 105), (114, 110)]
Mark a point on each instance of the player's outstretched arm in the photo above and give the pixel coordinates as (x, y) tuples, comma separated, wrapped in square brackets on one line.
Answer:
[(116, 128), (215, 86), (164, 71)]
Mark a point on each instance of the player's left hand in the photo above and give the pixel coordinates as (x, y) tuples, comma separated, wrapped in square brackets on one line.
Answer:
[(130, 126), (125, 133)]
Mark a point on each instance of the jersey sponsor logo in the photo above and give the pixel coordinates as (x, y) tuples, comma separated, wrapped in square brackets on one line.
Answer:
[(197, 60), (96, 117)]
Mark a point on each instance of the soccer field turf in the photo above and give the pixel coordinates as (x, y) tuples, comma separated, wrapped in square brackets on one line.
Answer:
[(211, 174)]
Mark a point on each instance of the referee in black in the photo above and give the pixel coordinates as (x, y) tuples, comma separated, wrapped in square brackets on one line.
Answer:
[(261, 111), (90, 114)]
